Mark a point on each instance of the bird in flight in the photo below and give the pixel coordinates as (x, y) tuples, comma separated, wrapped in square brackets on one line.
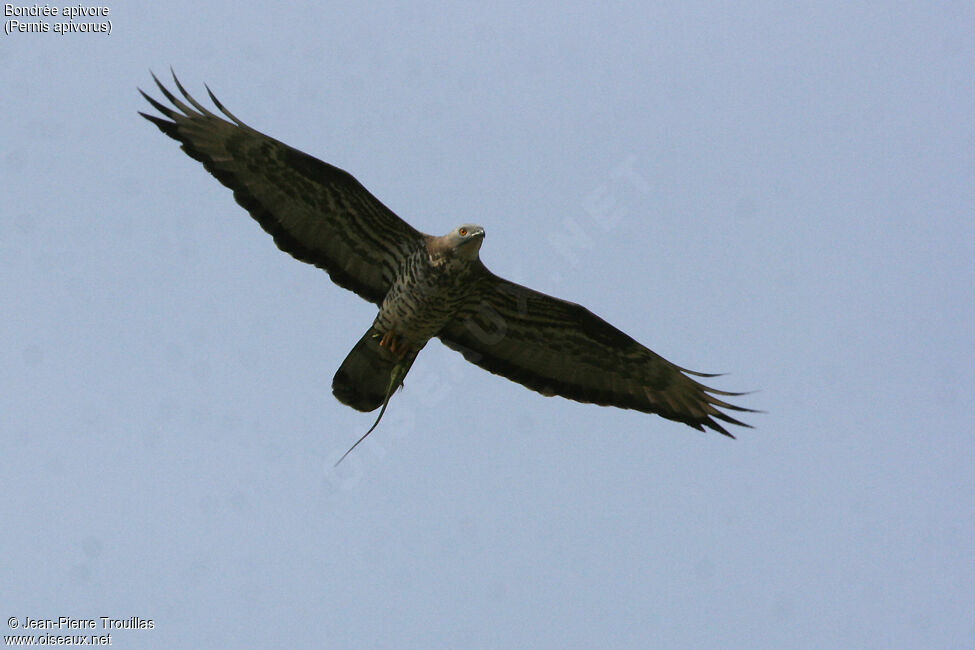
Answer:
[(428, 287)]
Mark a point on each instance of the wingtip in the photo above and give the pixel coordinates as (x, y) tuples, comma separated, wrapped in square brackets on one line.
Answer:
[(159, 106), (222, 108), (714, 426)]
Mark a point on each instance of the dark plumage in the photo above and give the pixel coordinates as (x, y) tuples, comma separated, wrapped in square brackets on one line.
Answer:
[(428, 286)]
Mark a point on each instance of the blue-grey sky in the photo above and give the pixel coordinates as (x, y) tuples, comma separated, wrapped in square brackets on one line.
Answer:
[(784, 193)]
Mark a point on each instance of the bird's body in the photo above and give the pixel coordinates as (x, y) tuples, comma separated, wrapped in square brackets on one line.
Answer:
[(427, 287), (426, 294)]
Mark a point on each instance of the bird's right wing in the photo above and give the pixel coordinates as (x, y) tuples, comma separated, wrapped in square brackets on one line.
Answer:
[(316, 212), (557, 347)]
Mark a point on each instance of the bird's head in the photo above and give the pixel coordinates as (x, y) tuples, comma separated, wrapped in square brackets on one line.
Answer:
[(463, 241)]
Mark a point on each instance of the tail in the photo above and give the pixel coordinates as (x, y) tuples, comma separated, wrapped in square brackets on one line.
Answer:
[(362, 381)]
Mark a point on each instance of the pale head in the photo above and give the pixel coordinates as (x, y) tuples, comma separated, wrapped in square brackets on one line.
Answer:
[(464, 241)]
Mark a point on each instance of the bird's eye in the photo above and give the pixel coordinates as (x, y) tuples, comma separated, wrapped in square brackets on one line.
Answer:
[(463, 232)]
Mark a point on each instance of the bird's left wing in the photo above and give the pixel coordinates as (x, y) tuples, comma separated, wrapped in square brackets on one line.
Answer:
[(557, 347), (316, 212)]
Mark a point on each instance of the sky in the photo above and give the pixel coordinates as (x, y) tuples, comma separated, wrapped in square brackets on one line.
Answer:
[(780, 192)]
